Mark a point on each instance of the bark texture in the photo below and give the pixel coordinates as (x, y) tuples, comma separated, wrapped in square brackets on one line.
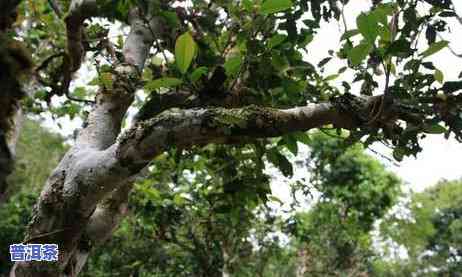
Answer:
[(14, 63), (85, 197)]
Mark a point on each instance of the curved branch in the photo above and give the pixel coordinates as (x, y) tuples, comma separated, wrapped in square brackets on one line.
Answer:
[(185, 128), (105, 120), (158, 103), (79, 10)]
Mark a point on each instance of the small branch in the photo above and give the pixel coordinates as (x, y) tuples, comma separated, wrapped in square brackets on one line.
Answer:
[(154, 35), (383, 156), (44, 235), (72, 98), (343, 17), (56, 8), (48, 60), (449, 47), (456, 15)]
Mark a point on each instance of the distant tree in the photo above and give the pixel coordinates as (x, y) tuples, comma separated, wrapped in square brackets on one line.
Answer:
[(430, 233), (334, 237), (39, 151)]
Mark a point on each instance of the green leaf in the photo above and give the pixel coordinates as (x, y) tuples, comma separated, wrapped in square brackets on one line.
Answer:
[(358, 53), (275, 199), (178, 200), (165, 82), (285, 166), (324, 61), (349, 34), (280, 161), (248, 5), (279, 62), (331, 77), (439, 76), (106, 80), (80, 92), (185, 49), (434, 48), (368, 26), (302, 137), (276, 40), (382, 11), (198, 73), (233, 65), (275, 6), (399, 153), (452, 86), (291, 144), (399, 48), (171, 18), (434, 129)]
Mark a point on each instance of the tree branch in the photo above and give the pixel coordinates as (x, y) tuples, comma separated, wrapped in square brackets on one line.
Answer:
[(185, 128), (79, 10), (188, 100), (105, 120)]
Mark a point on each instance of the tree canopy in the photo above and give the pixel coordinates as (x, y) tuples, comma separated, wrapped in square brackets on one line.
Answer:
[(226, 84)]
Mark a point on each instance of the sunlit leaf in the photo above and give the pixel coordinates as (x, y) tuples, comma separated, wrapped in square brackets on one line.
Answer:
[(435, 129), (233, 65), (434, 48), (359, 53), (367, 26), (185, 49), (198, 73), (439, 76), (165, 82), (275, 6)]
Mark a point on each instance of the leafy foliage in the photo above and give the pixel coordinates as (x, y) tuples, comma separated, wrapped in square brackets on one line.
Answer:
[(334, 237), (38, 153), (431, 231)]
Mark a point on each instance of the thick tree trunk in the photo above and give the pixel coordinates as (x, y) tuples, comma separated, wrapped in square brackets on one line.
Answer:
[(86, 195), (8, 139), (12, 59)]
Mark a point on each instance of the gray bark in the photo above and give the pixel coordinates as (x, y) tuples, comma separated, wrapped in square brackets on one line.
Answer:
[(85, 197)]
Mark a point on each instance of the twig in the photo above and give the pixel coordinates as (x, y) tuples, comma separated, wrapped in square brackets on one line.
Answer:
[(154, 35), (44, 235), (456, 15), (449, 47), (383, 156), (56, 8), (244, 64), (48, 60), (72, 98), (343, 17)]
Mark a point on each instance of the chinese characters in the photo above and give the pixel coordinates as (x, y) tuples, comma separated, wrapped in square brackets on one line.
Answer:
[(33, 252)]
